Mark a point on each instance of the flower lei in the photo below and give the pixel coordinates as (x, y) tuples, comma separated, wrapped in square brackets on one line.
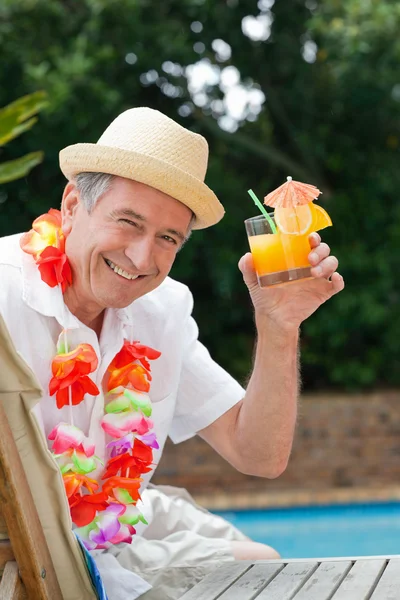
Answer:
[(108, 515)]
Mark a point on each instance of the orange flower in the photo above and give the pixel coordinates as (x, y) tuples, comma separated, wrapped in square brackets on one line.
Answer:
[(131, 352), (73, 482), (46, 231), (54, 267), (122, 489), (84, 508), (71, 369), (134, 374)]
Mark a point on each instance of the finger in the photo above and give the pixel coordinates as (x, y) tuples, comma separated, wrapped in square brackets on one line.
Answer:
[(246, 266), (314, 239), (337, 283), (326, 267), (319, 253)]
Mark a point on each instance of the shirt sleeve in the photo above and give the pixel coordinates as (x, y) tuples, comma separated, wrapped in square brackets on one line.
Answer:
[(11, 301), (206, 391), (119, 583)]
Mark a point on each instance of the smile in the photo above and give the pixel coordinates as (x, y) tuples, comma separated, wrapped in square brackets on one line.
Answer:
[(120, 271)]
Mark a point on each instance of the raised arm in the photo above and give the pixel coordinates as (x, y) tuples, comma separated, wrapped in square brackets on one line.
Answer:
[(256, 435)]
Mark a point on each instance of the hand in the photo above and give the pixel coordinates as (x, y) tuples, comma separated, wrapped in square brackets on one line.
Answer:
[(287, 306)]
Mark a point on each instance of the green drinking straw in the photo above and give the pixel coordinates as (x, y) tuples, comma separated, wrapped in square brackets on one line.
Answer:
[(264, 212)]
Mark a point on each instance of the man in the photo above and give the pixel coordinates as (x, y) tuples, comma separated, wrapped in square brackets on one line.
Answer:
[(130, 203)]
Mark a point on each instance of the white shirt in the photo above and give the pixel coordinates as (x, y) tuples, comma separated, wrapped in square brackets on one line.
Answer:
[(188, 390)]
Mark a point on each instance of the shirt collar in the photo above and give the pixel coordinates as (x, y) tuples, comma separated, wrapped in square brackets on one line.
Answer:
[(49, 301)]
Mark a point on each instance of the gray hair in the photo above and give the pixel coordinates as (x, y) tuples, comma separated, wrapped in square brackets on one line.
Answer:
[(91, 186)]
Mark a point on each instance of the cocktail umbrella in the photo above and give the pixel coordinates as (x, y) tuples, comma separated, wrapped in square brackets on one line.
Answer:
[(292, 194)]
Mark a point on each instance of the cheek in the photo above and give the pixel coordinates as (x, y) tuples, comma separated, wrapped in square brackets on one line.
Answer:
[(112, 239), (81, 249), (165, 260), (166, 256), (74, 244)]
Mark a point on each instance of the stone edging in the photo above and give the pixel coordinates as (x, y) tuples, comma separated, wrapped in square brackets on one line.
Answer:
[(305, 497)]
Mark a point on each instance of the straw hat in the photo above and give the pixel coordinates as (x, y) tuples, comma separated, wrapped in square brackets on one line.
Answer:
[(149, 147)]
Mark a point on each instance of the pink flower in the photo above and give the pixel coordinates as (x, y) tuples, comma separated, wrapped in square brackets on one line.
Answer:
[(66, 437), (119, 424), (108, 525), (149, 439), (121, 445)]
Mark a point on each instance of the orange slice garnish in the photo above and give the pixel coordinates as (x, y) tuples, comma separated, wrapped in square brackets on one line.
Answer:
[(302, 219), (295, 221), (321, 219)]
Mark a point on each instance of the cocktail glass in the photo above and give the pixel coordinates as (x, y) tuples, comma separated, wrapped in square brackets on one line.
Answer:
[(278, 257)]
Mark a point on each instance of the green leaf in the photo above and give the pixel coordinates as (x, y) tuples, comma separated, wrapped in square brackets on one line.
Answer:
[(13, 117), (26, 106), (9, 130), (14, 169)]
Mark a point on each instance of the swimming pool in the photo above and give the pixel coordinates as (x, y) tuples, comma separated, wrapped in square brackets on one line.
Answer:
[(323, 531)]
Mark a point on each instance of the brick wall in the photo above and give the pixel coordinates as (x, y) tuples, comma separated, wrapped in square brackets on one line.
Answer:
[(341, 442)]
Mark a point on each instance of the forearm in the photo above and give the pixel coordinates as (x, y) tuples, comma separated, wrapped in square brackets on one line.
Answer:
[(266, 421)]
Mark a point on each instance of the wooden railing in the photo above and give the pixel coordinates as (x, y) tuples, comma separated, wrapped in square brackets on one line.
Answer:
[(25, 562)]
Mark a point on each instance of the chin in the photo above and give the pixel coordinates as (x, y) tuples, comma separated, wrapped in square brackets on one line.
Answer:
[(120, 302)]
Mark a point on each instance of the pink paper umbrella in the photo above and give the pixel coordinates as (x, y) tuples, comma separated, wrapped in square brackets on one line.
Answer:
[(292, 194)]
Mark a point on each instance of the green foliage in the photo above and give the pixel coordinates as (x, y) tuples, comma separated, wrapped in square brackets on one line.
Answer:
[(19, 167), (16, 118), (333, 122)]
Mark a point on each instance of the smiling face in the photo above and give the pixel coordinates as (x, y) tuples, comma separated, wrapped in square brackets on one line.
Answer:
[(124, 248)]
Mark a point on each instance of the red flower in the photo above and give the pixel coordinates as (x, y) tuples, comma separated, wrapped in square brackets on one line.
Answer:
[(125, 465), (131, 464), (46, 243), (78, 391), (71, 370), (131, 352), (84, 508), (54, 267), (142, 451)]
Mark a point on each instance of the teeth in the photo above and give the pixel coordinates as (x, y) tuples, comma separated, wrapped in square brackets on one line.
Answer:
[(120, 271)]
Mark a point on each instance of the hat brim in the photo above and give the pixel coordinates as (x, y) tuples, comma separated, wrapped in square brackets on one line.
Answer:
[(84, 158)]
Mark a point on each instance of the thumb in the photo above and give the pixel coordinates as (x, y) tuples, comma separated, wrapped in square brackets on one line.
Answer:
[(246, 266)]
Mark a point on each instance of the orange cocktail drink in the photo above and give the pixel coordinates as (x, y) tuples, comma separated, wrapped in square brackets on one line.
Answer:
[(278, 257), (279, 252), (280, 245)]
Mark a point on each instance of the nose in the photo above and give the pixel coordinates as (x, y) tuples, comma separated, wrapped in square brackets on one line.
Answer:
[(140, 253)]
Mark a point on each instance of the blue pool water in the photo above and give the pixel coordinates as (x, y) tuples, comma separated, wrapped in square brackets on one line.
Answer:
[(323, 531)]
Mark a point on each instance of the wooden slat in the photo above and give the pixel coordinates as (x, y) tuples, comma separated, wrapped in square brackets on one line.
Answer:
[(285, 585), (3, 528), (360, 580), (6, 553), (218, 581), (24, 528), (11, 587), (325, 581), (388, 587), (386, 557), (253, 581)]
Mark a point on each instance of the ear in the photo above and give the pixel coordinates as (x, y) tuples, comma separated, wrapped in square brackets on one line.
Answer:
[(69, 205)]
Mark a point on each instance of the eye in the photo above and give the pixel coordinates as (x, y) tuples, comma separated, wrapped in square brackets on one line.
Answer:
[(128, 221), (169, 239)]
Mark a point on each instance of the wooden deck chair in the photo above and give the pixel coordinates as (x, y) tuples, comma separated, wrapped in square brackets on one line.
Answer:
[(40, 557)]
